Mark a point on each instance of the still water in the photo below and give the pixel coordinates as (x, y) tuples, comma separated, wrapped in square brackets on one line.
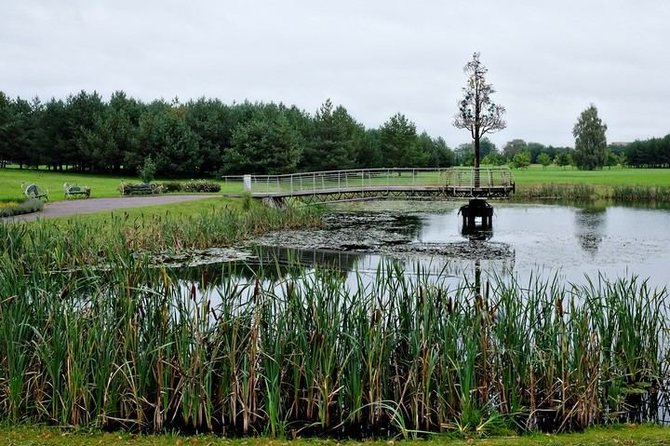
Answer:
[(528, 240)]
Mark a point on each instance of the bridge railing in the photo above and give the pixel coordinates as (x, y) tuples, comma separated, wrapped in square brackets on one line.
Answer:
[(380, 179), (337, 180), (489, 177)]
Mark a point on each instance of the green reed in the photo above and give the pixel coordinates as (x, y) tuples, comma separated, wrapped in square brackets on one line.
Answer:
[(133, 346), (587, 192), (67, 244), (641, 193)]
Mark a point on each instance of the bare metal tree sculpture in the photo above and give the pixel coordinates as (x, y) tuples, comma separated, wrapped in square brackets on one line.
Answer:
[(476, 112)]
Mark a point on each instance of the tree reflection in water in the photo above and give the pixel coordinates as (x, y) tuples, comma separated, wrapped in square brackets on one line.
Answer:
[(590, 227)]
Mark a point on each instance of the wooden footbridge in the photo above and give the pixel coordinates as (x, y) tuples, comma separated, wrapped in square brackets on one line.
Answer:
[(366, 184)]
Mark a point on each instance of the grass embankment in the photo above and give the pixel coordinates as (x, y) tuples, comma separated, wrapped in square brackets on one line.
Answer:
[(533, 182), (619, 184), (68, 242), (102, 186), (629, 435)]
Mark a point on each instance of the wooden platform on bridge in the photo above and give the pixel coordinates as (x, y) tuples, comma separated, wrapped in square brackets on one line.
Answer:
[(366, 184)]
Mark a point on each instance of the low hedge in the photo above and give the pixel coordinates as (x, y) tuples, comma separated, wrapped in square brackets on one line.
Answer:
[(140, 188), (190, 186), (201, 186), (27, 207)]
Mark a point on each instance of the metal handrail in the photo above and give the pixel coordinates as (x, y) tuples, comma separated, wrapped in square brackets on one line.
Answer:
[(371, 179)]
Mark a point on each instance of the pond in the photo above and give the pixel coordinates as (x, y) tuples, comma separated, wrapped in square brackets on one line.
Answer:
[(528, 240)]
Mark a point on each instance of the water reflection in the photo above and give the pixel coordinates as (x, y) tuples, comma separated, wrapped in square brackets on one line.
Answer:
[(528, 241), (590, 227)]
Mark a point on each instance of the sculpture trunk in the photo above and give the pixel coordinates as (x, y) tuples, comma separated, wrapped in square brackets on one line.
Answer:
[(476, 172)]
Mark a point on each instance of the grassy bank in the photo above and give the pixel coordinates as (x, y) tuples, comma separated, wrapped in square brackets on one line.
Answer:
[(536, 175), (529, 181), (617, 184), (630, 435), (102, 186), (69, 242)]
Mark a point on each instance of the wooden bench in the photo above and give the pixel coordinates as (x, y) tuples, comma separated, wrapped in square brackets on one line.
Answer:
[(72, 190), (32, 190)]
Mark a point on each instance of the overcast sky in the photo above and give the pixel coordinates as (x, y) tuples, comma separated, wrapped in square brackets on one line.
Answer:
[(548, 60)]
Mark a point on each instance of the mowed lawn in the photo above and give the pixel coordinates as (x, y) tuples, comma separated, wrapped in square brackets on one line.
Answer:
[(107, 186), (102, 186), (609, 436), (616, 176)]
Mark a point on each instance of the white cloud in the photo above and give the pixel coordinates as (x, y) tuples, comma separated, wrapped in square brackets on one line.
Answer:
[(548, 60)]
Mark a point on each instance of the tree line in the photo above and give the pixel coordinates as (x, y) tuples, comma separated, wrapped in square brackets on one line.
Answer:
[(203, 137), (654, 152)]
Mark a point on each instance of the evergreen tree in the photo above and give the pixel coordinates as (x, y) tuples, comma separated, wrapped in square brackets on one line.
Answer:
[(399, 143), (332, 141), (263, 146)]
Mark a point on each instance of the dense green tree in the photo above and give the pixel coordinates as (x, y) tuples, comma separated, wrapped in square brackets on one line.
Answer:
[(179, 154), (399, 143), (464, 154), (332, 140), (534, 149), (17, 131), (544, 159), (84, 113), (438, 153), (521, 160), (55, 139), (494, 158), (212, 123), (612, 159), (263, 146), (590, 141), (563, 158), (370, 149), (513, 147), (477, 113), (5, 118), (654, 152)]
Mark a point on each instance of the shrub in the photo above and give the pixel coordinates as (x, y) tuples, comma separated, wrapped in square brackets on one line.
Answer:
[(148, 170), (27, 207), (140, 188), (201, 186), (172, 186)]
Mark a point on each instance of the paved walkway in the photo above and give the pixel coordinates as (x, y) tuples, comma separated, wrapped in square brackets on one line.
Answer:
[(91, 205)]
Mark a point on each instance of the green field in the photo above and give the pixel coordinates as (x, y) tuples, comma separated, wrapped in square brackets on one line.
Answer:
[(537, 175), (618, 435), (102, 186)]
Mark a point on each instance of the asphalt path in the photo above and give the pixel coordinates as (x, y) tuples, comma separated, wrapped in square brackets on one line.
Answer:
[(78, 206)]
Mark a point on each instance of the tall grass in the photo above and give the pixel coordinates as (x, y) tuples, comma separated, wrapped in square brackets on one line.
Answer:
[(133, 346), (585, 192), (72, 243)]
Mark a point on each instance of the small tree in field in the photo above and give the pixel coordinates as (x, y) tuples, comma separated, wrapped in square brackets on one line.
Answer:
[(521, 160), (590, 142), (477, 113), (544, 159)]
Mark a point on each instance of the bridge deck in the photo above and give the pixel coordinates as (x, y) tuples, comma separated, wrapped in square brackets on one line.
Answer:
[(370, 183)]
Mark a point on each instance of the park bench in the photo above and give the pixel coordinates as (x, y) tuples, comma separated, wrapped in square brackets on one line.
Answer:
[(72, 190), (140, 189), (32, 190)]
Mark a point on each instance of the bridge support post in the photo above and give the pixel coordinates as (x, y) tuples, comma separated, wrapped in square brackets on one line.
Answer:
[(477, 216)]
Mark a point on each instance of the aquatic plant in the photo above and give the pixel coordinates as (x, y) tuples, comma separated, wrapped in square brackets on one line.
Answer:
[(307, 352), (71, 243)]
